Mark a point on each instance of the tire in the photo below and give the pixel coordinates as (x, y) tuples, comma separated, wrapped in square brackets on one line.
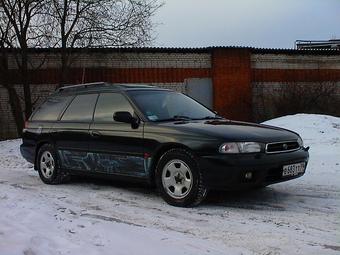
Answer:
[(48, 166), (179, 179)]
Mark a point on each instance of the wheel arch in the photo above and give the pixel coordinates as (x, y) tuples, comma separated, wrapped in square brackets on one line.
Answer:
[(160, 152)]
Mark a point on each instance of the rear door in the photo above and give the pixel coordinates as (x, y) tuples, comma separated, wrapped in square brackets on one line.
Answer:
[(71, 133), (117, 147)]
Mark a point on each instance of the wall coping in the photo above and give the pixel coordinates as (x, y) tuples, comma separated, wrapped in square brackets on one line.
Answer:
[(202, 50)]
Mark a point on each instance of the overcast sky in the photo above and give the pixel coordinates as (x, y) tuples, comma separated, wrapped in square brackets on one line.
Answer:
[(258, 23)]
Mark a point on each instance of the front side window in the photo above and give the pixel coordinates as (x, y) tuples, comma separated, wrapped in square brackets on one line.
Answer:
[(51, 108), (108, 104), (169, 105), (81, 108)]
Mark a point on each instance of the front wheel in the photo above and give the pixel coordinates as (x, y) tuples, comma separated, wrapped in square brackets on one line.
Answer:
[(179, 179)]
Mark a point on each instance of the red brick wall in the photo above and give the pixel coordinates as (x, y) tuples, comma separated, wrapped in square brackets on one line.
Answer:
[(118, 75), (273, 70), (231, 75), (295, 75), (239, 75)]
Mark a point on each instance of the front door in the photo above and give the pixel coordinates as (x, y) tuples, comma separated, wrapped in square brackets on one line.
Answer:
[(117, 148)]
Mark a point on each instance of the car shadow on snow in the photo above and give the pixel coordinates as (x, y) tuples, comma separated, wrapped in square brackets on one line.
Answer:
[(101, 183), (267, 198)]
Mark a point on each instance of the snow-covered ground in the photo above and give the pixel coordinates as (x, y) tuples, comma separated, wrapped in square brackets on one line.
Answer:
[(95, 217)]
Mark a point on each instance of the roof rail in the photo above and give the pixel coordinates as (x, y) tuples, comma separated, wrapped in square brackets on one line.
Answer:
[(85, 85)]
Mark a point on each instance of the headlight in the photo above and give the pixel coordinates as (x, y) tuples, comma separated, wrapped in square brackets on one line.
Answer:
[(243, 147), (300, 142)]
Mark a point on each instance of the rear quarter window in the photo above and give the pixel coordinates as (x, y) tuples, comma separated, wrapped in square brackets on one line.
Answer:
[(51, 108)]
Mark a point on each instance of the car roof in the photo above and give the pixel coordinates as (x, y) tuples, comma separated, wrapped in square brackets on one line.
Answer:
[(104, 86)]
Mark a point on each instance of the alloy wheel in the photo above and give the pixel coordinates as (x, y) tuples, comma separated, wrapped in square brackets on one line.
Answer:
[(177, 179), (47, 164)]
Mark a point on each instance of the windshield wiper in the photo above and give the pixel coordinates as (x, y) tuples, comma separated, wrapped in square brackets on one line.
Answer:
[(181, 117), (175, 118), (210, 118)]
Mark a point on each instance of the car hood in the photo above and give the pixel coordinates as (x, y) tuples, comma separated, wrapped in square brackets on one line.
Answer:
[(232, 130)]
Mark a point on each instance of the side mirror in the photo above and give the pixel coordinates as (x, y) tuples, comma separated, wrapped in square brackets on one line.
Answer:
[(124, 117)]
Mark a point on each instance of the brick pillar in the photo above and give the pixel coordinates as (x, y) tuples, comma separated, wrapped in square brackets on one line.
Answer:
[(231, 75)]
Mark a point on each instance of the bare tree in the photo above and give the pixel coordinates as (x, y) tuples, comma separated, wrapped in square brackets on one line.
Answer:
[(24, 23), (100, 23), (6, 41), (65, 24)]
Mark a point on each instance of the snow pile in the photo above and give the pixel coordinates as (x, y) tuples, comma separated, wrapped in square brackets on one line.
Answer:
[(314, 129), (90, 217)]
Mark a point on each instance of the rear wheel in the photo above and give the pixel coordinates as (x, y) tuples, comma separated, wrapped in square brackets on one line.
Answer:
[(179, 179), (48, 166)]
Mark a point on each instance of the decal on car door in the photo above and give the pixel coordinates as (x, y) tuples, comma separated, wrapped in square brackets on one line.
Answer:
[(102, 162)]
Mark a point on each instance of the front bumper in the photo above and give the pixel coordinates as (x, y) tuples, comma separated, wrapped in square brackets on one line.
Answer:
[(228, 171)]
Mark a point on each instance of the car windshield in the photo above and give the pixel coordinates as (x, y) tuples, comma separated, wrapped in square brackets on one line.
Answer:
[(169, 105)]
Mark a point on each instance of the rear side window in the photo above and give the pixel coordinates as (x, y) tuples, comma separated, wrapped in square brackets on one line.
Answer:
[(81, 108), (108, 104), (51, 108)]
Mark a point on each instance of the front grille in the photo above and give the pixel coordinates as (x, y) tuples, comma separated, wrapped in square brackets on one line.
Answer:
[(282, 147)]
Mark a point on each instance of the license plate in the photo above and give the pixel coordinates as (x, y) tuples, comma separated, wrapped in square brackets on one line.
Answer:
[(294, 169)]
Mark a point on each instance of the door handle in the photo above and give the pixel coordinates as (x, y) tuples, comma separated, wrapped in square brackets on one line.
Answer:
[(95, 133)]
